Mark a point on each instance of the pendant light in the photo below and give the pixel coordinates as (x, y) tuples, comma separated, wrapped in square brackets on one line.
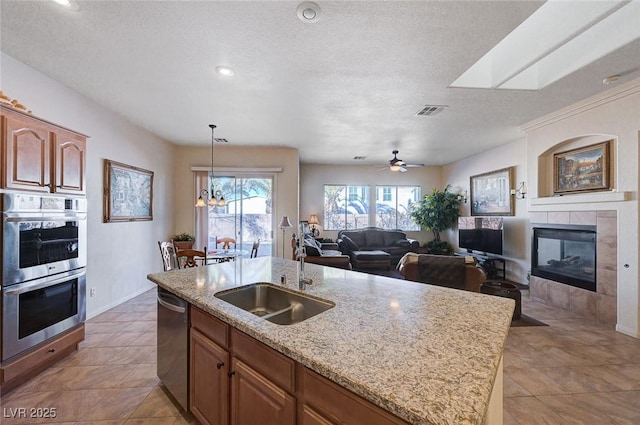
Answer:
[(216, 198)]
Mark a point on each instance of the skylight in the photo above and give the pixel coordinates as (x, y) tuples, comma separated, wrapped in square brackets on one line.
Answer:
[(557, 39)]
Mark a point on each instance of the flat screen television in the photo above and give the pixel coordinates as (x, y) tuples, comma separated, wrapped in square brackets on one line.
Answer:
[(481, 234)]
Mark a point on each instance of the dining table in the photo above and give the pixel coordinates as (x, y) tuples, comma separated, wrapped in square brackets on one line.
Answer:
[(222, 255)]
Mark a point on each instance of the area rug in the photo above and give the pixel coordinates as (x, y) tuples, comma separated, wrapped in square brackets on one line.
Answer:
[(525, 320)]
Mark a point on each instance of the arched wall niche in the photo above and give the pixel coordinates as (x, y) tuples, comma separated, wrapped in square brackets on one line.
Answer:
[(545, 159)]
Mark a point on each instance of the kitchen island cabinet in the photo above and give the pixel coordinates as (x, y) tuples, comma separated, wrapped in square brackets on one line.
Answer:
[(388, 352)]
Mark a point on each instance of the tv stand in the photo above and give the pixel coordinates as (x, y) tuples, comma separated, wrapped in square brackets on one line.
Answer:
[(494, 267)]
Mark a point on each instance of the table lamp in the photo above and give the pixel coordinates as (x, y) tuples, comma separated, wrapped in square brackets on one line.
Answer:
[(313, 220), (284, 223)]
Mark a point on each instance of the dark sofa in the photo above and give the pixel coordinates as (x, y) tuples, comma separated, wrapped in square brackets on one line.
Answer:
[(372, 247)]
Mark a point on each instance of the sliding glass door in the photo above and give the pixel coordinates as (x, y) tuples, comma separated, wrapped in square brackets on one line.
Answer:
[(246, 215)]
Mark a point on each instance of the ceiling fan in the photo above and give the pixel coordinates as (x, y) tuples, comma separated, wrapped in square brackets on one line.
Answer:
[(396, 164)]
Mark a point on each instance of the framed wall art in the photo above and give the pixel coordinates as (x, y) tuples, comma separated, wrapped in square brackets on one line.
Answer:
[(491, 193), (128, 193), (582, 170)]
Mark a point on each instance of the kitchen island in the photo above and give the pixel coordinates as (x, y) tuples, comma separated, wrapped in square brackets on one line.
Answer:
[(425, 354)]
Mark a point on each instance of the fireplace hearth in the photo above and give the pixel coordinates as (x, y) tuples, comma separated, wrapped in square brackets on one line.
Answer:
[(565, 253)]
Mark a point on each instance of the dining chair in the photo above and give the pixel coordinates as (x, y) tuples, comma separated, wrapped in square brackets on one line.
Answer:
[(167, 251), (190, 257), (226, 243), (254, 249)]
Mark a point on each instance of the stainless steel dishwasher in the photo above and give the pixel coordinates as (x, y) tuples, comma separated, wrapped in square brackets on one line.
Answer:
[(173, 345)]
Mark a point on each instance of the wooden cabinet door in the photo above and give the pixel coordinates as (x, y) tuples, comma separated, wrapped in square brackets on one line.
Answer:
[(256, 400), (26, 149), (69, 158), (209, 381)]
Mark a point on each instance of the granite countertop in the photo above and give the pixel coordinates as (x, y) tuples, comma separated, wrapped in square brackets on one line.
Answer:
[(424, 353)]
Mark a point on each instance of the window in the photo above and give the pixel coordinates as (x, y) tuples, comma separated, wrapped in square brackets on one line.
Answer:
[(393, 207), (345, 207)]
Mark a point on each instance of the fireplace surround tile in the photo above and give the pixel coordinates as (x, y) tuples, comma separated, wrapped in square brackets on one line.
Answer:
[(587, 218), (559, 217), (607, 230), (607, 308), (583, 302), (607, 256), (558, 294), (538, 288), (538, 217), (607, 282)]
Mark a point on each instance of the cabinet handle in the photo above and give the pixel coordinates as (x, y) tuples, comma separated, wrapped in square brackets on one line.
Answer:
[(219, 365), (231, 373), (52, 350), (48, 185)]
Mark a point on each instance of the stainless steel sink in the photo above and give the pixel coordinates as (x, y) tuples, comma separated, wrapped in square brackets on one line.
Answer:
[(274, 304)]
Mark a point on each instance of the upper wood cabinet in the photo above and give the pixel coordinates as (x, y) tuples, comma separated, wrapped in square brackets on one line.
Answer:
[(40, 156)]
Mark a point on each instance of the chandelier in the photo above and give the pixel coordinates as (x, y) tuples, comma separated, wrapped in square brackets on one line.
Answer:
[(216, 197)]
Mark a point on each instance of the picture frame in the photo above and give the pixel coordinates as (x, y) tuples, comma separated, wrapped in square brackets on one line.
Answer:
[(491, 193), (584, 169), (127, 194)]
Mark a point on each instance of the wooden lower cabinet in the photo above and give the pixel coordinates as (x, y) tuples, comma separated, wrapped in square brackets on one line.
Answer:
[(25, 366), (308, 416), (256, 400), (209, 381), (237, 380)]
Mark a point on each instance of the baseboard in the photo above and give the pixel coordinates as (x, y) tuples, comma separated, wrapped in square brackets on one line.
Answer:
[(120, 301), (630, 332)]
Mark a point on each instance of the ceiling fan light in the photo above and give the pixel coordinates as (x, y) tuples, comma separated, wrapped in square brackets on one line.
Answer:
[(395, 167)]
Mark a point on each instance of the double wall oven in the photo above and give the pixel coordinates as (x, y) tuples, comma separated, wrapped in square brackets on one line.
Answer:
[(44, 258)]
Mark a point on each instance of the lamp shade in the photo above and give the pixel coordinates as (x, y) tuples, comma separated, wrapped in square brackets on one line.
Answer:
[(313, 219), (284, 223)]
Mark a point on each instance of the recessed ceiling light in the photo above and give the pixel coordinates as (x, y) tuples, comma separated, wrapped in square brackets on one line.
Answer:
[(69, 4), (225, 70), (308, 12)]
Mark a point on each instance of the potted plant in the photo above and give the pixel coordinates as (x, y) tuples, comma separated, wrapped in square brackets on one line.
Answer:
[(183, 240), (437, 212)]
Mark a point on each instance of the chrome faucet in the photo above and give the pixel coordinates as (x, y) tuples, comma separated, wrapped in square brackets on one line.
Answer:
[(302, 281)]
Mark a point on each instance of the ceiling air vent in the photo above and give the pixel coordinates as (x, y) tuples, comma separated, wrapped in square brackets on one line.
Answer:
[(359, 158), (221, 140), (430, 110)]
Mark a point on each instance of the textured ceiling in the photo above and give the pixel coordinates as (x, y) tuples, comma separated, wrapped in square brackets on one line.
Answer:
[(349, 84)]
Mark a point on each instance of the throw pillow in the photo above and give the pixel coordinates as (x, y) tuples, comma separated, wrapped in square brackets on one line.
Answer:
[(402, 242), (311, 248), (350, 243)]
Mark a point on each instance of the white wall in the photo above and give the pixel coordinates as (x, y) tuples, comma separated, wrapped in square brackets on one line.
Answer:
[(313, 177), (516, 228), (120, 255)]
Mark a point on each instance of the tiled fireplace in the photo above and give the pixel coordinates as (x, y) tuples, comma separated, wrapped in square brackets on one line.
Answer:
[(589, 290)]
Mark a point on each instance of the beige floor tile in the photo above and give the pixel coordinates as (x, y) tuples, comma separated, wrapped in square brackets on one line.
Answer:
[(148, 338), (112, 422), (90, 356), (135, 355), (142, 326), (156, 405), (531, 411), (143, 375), (151, 421), (513, 389), (79, 377), (117, 403), (576, 409)]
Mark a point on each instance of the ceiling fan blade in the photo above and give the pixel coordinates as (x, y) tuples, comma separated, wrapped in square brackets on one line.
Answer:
[(403, 169), (382, 169), (414, 165)]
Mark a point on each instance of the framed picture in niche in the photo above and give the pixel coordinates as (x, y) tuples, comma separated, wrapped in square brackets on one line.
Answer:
[(128, 193), (584, 169), (491, 193)]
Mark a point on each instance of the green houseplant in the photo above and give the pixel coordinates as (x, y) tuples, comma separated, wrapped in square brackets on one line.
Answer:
[(437, 212), (183, 240)]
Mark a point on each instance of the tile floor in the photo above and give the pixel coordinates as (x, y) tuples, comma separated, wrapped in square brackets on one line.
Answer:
[(569, 372)]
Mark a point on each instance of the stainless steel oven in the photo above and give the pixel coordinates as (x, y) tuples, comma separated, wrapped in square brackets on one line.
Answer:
[(34, 311), (42, 236), (44, 258)]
